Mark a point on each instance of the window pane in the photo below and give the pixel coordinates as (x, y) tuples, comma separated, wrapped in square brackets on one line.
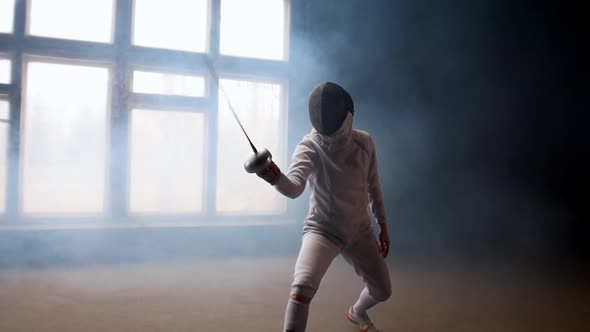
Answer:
[(4, 109), (168, 84), (6, 16), (171, 24), (166, 161), (64, 138), (259, 108), (4, 71), (72, 19), (4, 126), (254, 28)]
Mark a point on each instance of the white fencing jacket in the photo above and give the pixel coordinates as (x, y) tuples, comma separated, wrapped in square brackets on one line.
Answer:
[(344, 181)]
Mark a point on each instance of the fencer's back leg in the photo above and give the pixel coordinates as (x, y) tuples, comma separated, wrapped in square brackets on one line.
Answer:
[(370, 265)]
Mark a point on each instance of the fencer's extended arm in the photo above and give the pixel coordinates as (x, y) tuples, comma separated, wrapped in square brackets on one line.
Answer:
[(375, 194), (293, 183)]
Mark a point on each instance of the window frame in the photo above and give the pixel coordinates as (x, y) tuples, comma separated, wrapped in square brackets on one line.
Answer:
[(122, 57)]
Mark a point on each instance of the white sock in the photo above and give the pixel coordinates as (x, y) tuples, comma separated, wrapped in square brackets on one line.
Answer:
[(296, 316), (364, 302)]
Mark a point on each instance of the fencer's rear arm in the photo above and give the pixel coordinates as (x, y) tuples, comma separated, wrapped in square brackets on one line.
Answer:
[(293, 183), (374, 187)]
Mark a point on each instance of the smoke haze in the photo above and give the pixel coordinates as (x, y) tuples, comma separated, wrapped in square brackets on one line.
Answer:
[(473, 110)]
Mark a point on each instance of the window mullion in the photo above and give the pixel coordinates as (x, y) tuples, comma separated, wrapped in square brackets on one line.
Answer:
[(13, 167), (212, 118), (121, 92)]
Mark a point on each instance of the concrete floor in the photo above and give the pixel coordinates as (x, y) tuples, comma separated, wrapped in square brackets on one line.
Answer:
[(250, 295)]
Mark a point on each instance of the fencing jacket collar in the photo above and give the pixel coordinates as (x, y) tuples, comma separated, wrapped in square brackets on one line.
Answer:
[(338, 139)]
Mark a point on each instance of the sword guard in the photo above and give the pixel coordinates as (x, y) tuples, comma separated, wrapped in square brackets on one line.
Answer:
[(256, 162)]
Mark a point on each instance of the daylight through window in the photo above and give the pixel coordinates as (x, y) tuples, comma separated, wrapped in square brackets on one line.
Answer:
[(109, 112)]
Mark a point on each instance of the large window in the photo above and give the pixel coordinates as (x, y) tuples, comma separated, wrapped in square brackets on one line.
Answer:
[(259, 107), (168, 84), (254, 28), (118, 119), (72, 19), (64, 138), (167, 161), (4, 126), (4, 70), (6, 16), (171, 24)]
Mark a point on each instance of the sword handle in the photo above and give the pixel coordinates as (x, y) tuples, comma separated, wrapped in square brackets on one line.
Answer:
[(257, 161)]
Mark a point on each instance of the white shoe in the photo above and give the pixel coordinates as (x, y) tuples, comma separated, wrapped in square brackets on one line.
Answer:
[(361, 321)]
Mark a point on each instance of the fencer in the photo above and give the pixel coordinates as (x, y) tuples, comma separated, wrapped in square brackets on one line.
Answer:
[(340, 164)]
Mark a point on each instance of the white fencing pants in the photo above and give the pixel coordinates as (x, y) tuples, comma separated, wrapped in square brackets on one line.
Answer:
[(317, 253)]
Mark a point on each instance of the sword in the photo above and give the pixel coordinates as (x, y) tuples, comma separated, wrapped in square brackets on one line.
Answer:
[(259, 159)]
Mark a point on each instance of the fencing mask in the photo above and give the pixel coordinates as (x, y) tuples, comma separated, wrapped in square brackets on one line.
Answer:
[(329, 104)]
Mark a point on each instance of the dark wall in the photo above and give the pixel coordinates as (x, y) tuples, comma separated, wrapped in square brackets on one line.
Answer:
[(474, 107)]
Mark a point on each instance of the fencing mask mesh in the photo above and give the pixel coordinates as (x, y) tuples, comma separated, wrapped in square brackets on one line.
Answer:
[(329, 104)]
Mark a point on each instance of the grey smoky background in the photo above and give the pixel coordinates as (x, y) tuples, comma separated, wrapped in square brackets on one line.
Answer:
[(475, 108)]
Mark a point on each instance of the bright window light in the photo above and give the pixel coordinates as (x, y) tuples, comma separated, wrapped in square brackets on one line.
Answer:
[(254, 28), (167, 162), (4, 109), (171, 24), (64, 139), (259, 108), (6, 16), (168, 84), (4, 126), (4, 71), (89, 20)]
